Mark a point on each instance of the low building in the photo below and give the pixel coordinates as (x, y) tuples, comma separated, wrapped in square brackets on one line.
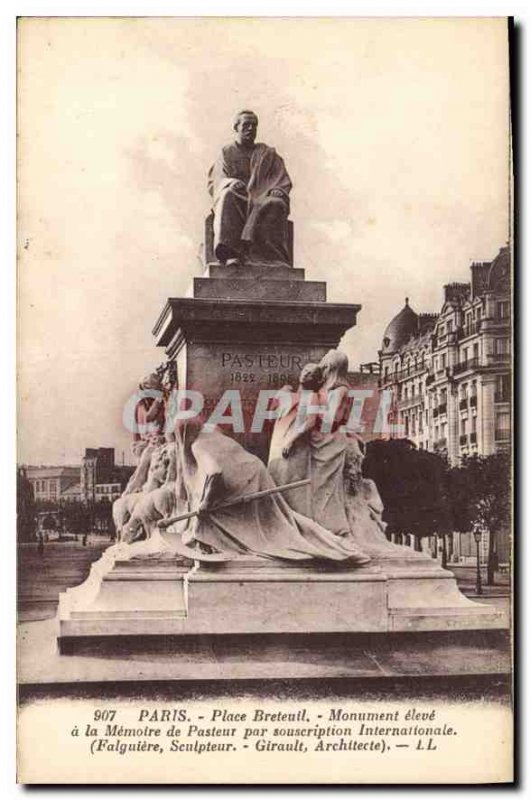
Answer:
[(50, 483), (101, 477), (108, 491), (98, 478), (73, 494)]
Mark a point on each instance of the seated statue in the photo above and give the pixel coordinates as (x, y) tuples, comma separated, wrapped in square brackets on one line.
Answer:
[(250, 189)]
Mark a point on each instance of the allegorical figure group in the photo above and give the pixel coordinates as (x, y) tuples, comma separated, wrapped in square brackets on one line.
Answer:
[(336, 517)]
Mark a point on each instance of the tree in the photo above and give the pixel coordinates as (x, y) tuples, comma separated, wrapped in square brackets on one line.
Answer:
[(76, 517), (103, 516), (480, 492), (413, 488), (49, 523), (25, 507)]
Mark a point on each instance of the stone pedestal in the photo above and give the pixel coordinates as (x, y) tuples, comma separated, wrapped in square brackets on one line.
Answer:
[(126, 595), (248, 329)]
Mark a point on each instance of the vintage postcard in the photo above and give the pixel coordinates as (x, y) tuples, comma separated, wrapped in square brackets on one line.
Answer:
[(264, 471)]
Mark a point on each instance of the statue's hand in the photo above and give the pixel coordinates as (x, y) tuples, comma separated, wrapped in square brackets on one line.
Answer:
[(286, 451), (276, 193), (239, 186), (202, 510)]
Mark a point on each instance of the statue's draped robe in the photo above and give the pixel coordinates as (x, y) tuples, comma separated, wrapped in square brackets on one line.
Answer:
[(319, 455), (265, 527), (250, 215)]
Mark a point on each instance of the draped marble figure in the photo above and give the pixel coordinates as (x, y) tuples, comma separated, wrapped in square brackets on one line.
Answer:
[(314, 449), (250, 187), (216, 469)]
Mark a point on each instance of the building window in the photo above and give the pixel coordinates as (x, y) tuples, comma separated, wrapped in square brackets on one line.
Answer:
[(502, 347), (502, 426), (503, 309), (502, 389)]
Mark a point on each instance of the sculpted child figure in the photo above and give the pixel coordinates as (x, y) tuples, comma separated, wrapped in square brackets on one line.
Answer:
[(150, 419), (159, 498)]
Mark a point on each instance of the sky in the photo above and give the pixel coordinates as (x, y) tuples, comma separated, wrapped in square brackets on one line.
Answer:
[(395, 134)]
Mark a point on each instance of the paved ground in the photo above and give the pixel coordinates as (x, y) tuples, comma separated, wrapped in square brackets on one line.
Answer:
[(387, 658), (44, 574), (477, 662), (466, 577)]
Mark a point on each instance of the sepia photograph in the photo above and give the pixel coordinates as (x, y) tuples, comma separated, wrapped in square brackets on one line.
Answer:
[(264, 478)]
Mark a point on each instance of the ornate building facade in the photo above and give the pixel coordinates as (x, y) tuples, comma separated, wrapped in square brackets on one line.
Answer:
[(450, 373)]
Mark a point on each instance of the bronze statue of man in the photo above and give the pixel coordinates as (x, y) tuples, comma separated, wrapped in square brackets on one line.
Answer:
[(250, 189)]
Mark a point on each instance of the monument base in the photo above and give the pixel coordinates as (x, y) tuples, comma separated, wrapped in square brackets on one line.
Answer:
[(130, 593)]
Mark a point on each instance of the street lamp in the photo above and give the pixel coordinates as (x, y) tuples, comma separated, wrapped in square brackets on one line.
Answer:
[(477, 535)]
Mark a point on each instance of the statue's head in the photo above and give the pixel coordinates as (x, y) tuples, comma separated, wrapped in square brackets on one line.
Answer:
[(311, 376), (246, 127), (152, 381), (334, 363)]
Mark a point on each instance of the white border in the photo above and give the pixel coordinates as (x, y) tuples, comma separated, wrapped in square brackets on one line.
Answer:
[(8, 13)]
